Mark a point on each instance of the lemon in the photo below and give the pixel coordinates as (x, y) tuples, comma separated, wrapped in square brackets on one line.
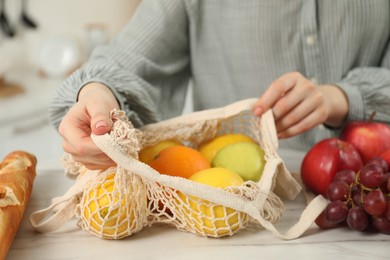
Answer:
[(99, 214), (211, 147), (217, 177), (210, 219)]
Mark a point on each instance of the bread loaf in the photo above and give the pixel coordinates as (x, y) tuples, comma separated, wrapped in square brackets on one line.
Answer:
[(17, 174)]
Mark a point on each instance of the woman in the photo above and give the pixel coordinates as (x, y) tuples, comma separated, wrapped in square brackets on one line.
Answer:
[(316, 64)]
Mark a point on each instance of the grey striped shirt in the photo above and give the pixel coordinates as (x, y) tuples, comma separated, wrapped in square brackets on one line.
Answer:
[(232, 50)]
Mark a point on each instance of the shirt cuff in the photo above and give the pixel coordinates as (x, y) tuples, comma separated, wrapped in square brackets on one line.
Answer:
[(355, 101)]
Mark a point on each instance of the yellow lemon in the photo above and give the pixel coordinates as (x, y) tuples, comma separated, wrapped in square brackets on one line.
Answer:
[(99, 214), (147, 154), (210, 219), (211, 147), (217, 177)]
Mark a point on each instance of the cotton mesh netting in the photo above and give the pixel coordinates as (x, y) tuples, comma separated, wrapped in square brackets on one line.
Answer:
[(122, 201)]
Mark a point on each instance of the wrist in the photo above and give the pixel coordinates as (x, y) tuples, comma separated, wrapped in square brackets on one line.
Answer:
[(92, 88), (97, 90), (338, 106)]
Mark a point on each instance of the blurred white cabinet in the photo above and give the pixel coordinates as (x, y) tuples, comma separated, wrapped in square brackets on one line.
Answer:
[(39, 139), (24, 122)]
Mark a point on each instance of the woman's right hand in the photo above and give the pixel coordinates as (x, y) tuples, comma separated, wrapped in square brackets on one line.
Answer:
[(91, 114)]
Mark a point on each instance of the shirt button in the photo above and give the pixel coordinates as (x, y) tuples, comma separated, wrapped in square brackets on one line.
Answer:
[(310, 40)]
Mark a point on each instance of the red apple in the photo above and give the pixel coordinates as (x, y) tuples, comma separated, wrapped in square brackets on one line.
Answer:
[(386, 156), (370, 138), (324, 160)]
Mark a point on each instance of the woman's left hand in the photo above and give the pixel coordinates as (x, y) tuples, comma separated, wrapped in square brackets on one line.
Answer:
[(298, 104)]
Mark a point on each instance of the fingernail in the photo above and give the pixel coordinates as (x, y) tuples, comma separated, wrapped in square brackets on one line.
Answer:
[(101, 124), (258, 111)]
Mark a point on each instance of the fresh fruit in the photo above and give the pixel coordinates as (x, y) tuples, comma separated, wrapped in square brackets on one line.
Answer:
[(348, 176), (103, 215), (205, 217), (338, 190), (374, 203), (386, 156), (370, 138), (336, 212), (324, 159), (211, 147), (323, 222), (371, 176), (360, 203), (246, 159), (357, 219), (147, 154), (382, 224), (180, 161), (217, 177)]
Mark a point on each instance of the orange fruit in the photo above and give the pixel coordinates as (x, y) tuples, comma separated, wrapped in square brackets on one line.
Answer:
[(147, 154), (180, 161), (211, 147)]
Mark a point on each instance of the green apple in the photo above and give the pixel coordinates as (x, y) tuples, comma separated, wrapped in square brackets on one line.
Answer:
[(246, 159)]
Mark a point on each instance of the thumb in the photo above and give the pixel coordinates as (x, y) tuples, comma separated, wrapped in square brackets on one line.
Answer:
[(100, 124)]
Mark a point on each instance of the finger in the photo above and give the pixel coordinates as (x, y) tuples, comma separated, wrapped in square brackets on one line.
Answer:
[(274, 92), (301, 92), (97, 166), (77, 141), (102, 160), (305, 124), (300, 111), (100, 118)]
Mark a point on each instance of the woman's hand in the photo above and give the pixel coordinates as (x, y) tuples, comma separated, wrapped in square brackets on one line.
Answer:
[(298, 104), (89, 115)]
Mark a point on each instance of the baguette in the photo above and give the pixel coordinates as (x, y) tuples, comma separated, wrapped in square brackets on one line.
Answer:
[(17, 174)]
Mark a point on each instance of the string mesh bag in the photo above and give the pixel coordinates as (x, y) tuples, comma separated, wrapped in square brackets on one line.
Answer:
[(196, 214), (120, 201)]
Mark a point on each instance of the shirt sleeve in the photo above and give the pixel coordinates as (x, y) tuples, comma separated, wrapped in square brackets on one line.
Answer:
[(144, 66), (368, 92)]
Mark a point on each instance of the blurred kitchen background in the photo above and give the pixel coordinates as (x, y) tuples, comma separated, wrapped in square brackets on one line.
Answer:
[(34, 62)]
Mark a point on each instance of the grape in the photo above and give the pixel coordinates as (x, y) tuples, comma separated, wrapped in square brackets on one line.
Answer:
[(387, 213), (345, 175), (323, 223), (381, 224), (336, 212), (357, 219), (380, 162), (385, 184), (388, 184), (338, 190), (375, 203), (360, 199), (357, 196), (371, 176)]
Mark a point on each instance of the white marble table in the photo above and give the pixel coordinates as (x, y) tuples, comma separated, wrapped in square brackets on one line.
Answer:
[(165, 242)]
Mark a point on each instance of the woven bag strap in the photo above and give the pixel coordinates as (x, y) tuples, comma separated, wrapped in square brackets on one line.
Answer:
[(62, 209)]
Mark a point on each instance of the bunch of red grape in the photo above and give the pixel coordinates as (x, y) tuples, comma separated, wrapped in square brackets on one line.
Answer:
[(360, 200)]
